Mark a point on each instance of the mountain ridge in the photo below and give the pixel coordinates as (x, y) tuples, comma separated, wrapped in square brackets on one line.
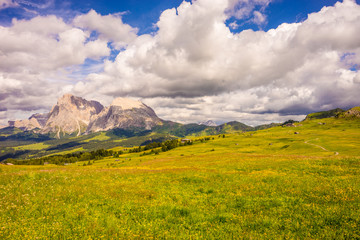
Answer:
[(73, 115), (20, 144), (124, 113)]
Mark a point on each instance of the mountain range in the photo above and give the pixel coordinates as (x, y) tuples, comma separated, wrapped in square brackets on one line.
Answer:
[(75, 115), (75, 124)]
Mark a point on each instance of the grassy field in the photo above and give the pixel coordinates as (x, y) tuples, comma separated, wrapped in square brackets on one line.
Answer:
[(35, 146), (269, 184), (101, 137)]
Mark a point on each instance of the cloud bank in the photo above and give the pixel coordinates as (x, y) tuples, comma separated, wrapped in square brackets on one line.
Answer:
[(192, 67)]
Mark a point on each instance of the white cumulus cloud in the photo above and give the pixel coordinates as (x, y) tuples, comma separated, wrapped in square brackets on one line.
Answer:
[(38, 55), (293, 69), (193, 67), (110, 27)]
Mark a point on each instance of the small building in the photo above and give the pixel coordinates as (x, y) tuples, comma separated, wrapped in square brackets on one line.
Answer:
[(185, 140)]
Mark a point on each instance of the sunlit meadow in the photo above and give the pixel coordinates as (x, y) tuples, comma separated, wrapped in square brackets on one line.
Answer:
[(269, 184)]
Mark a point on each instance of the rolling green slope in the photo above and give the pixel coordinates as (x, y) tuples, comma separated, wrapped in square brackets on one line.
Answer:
[(233, 127), (32, 148), (325, 114), (15, 143), (285, 182)]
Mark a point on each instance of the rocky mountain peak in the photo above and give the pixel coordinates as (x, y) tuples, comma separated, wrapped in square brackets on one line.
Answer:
[(71, 114), (36, 121), (124, 113), (208, 123), (41, 118), (69, 101), (127, 103), (66, 98), (77, 115)]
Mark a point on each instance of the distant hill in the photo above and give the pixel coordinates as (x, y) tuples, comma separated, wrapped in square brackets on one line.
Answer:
[(351, 113), (183, 130), (266, 126), (233, 126), (9, 131), (336, 113), (325, 114)]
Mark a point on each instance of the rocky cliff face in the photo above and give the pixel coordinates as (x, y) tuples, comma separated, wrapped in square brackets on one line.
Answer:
[(74, 114), (351, 113), (36, 121), (124, 113), (71, 114), (208, 123), (41, 118)]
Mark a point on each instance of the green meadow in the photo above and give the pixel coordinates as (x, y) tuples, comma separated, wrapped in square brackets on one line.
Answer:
[(35, 146), (299, 182)]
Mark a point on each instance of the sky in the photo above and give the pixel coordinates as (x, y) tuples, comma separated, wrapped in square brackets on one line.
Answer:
[(252, 61)]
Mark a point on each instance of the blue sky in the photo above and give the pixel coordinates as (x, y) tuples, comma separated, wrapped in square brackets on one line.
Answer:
[(143, 14), (190, 61)]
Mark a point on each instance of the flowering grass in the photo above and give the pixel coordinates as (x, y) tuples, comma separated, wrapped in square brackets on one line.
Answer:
[(270, 184)]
